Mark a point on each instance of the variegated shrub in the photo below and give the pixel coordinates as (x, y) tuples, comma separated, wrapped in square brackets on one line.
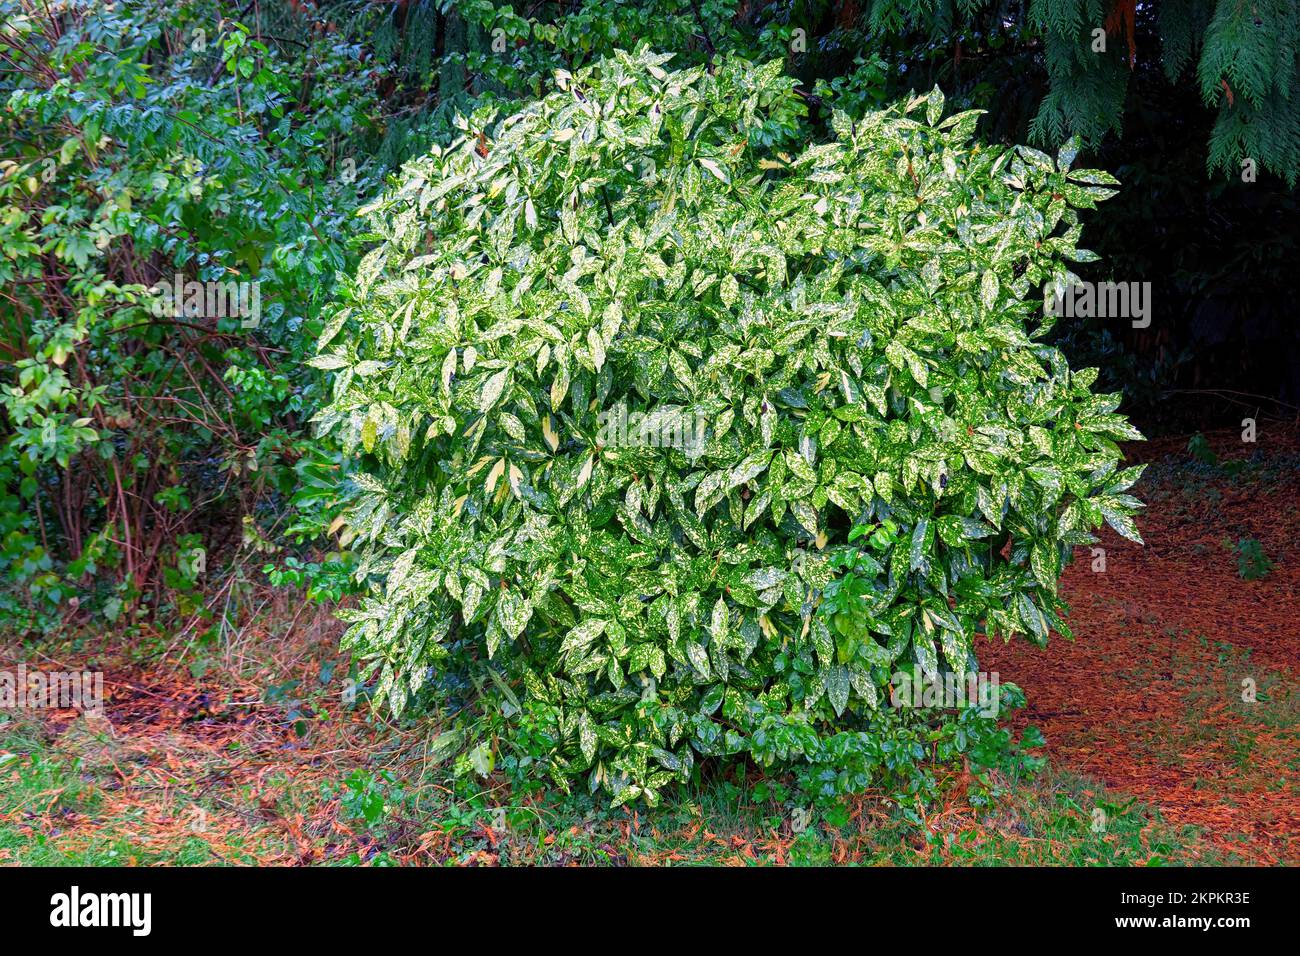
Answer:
[(857, 326)]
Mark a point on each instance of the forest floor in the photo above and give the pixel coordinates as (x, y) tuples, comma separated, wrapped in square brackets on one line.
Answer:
[(1174, 712)]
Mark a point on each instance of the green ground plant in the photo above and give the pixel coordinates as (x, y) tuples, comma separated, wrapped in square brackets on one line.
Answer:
[(1252, 562)]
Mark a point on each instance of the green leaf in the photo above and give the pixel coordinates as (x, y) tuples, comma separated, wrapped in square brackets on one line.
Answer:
[(492, 390)]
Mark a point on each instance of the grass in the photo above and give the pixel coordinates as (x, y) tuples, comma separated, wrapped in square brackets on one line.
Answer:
[(64, 801)]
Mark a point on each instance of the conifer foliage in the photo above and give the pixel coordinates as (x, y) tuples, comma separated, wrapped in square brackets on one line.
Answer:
[(1243, 56), (855, 324)]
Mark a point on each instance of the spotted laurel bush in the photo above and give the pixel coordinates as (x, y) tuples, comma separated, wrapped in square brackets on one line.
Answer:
[(851, 335)]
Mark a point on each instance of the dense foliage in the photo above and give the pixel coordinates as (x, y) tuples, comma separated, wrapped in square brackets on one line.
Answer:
[(1188, 103), (149, 141), (144, 141), (854, 326)]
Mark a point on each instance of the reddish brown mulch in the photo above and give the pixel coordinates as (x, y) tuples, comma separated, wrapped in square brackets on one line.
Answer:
[(178, 760), (1148, 697)]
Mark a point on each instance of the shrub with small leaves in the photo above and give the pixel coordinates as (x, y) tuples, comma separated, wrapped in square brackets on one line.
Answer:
[(851, 336)]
